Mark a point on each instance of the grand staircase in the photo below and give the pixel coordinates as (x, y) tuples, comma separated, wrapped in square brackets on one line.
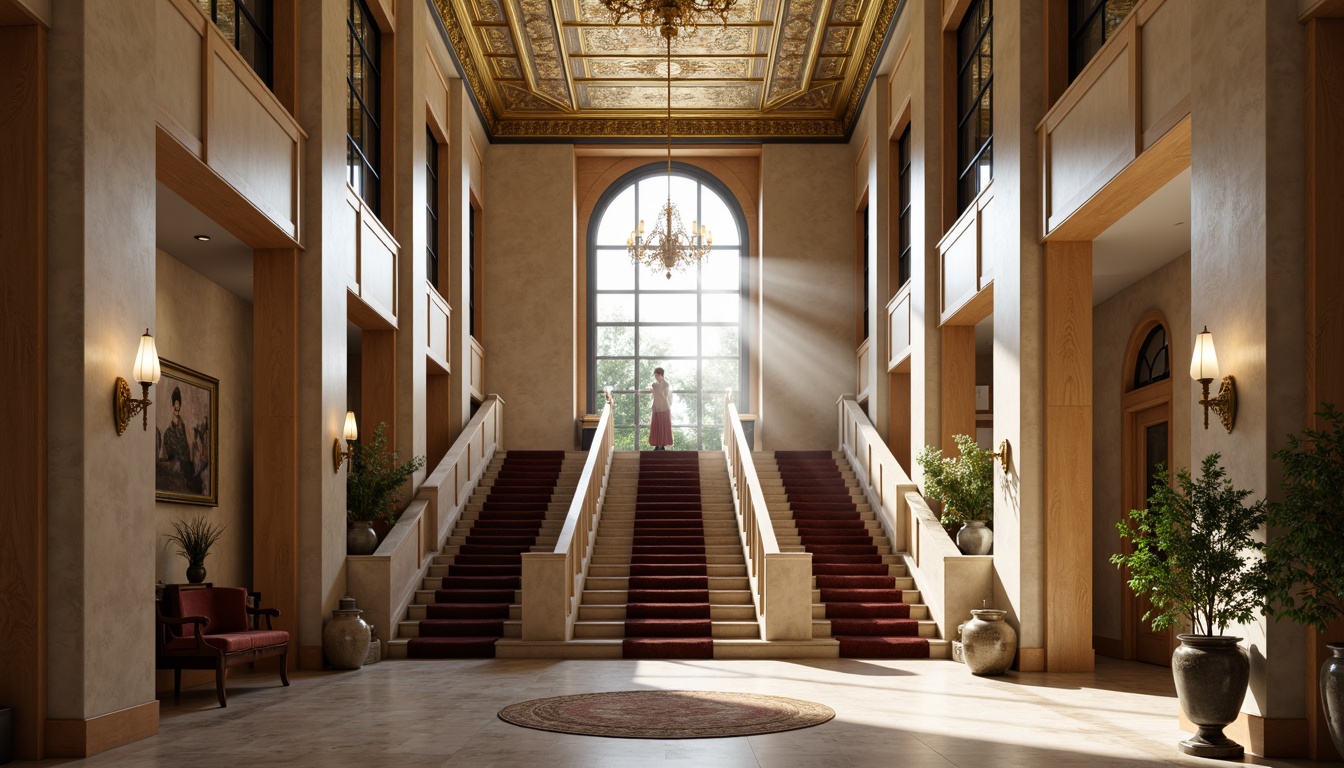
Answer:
[(668, 578), (862, 594), (469, 599)]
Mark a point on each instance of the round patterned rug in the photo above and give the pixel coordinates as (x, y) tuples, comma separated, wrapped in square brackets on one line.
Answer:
[(667, 714)]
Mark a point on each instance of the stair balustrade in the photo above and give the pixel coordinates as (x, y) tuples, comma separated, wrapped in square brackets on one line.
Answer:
[(951, 583), (781, 581), (553, 580)]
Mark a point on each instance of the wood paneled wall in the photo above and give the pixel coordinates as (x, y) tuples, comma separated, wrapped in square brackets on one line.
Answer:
[(23, 357)]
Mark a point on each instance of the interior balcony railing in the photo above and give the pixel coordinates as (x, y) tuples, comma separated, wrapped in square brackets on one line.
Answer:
[(950, 583), (781, 582), (384, 583), (553, 581)]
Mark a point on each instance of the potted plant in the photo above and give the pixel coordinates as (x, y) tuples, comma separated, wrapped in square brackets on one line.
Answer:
[(195, 536), (1196, 557), (373, 489), (1304, 563), (965, 486)]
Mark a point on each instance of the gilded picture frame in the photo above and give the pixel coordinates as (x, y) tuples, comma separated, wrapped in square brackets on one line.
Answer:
[(186, 436)]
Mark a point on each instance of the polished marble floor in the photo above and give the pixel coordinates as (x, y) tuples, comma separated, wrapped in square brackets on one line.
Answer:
[(894, 714)]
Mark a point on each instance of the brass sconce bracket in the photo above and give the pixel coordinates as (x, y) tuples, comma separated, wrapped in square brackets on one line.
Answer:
[(1225, 404), (124, 407), (338, 456), (1004, 454)]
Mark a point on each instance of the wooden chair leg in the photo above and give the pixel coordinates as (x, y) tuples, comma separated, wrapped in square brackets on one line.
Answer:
[(284, 668), (177, 684), (221, 674)]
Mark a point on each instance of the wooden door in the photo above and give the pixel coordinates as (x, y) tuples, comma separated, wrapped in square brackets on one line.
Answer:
[(1150, 437)]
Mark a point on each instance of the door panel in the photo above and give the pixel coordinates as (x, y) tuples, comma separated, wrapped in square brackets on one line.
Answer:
[(1151, 438)]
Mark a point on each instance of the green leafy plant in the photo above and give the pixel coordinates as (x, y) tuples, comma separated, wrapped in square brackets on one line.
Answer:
[(373, 486), (964, 485), (195, 536), (1304, 563), (1195, 552)]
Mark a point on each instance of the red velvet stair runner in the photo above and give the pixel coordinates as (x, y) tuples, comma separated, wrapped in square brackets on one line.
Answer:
[(864, 607), (667, 608), (472, 604)]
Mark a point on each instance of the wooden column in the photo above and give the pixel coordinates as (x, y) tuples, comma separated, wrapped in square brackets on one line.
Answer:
[(1068, 457), (958, 384), (378, 385), (1324, 287), (23, 357), (275, 437)]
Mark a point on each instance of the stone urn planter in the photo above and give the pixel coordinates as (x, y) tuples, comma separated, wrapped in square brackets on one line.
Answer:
[(989, 643), (360, 538), (1211, 674), (1332, 694), (346, 638), (975, 538)]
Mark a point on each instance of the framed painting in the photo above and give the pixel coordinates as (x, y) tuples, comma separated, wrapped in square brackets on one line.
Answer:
[(186, 437)]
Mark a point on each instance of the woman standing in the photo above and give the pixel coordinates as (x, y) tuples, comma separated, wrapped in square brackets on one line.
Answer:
[(660, 428)]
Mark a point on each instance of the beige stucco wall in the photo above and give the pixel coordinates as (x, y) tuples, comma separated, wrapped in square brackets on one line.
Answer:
[(1247, 241), (530, 292), (100, 545), (1166, 290), (206, 328), (807, 292)]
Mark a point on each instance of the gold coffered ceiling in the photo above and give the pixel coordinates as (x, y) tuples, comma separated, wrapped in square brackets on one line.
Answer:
[(559, 69)]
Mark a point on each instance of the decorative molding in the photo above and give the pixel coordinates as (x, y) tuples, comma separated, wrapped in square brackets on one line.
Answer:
[(85, 738), (722, 128)]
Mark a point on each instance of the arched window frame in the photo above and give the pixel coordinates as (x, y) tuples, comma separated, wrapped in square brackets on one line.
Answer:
[(704, 179)]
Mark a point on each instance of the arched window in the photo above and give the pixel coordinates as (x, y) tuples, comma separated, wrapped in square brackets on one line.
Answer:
[(1152, 364), (693, 325)]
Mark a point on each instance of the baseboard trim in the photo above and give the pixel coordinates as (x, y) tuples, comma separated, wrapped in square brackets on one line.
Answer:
[(1264, 736), (86, 738), (1030, 659)]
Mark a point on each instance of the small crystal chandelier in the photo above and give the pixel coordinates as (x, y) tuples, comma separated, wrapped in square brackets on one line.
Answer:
[(669, 246), (659, 15)]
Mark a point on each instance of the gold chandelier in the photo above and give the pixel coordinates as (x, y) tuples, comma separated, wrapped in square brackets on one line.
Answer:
[(669, 246)]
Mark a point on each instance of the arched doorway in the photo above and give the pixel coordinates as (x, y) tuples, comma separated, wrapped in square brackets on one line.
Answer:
[(1145, 445), (694, 324)]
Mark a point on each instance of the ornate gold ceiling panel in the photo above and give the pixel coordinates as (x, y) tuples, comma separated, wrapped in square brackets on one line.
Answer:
[(559, 69)]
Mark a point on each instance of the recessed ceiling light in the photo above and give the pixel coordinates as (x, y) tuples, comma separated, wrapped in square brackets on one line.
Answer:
[(202, 238)]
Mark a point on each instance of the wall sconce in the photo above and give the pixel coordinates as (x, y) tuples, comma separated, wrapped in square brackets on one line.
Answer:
[(1204, 369), (147, 372), (350, 433), (1003, 455)]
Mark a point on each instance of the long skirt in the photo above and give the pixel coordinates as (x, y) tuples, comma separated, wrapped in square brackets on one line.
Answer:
[(660, 431)]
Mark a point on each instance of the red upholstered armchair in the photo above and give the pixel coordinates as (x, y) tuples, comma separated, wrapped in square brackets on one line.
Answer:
[(214, 628)]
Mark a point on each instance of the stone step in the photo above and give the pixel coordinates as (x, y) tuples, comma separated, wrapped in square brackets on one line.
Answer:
[(620, 582), (620, 597), (592, 630), (622, 570), (616, 612)]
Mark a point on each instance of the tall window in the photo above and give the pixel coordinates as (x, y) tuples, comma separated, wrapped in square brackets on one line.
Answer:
[(431, 208), (693, 325), (472, 271), (867, 276), (975, 114), (1153, 363), (362, 132), (1091, 24), (903, 203), (248, 25)]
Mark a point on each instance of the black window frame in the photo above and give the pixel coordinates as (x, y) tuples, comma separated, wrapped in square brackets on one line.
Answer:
[(432, 208), (904, 205), (363, 154), (741, 395), (975, 45), (1153, 350), (254, 17), (1084, 17)]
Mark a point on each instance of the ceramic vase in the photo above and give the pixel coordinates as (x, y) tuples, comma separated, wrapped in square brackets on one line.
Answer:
[(360, 538), (346, 638), (1211, 675), (975, 538), (195, 573), (1332, 694), (988, 642)]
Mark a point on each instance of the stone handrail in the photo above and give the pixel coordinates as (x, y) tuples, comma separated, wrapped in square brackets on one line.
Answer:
[(552, 581), (781, 581), (385, 582), (950, 583)]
